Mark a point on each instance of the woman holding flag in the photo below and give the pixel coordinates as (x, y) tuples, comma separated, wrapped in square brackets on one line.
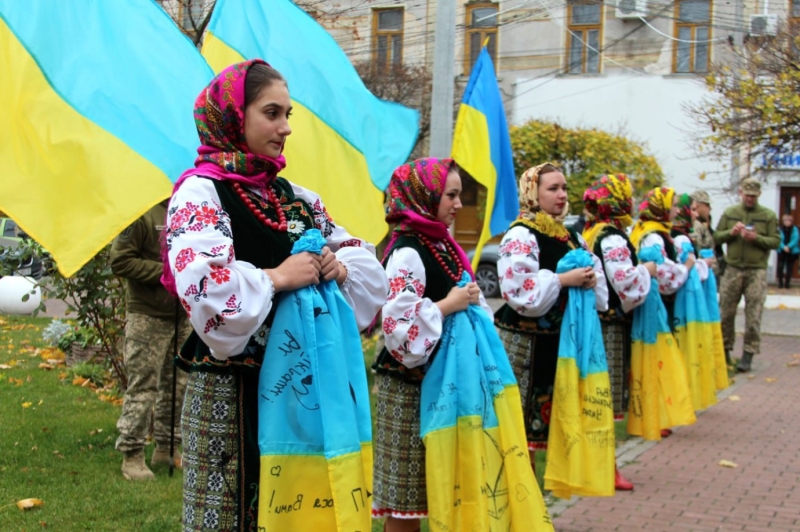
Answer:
[(231, 225), (449, 427), (423, 263), (609, 205), (536, 296), (694, 330)]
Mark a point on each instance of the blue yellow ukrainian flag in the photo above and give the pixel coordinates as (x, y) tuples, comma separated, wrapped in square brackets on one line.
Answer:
[(580, 442), (345, 142), (660, 397), (482, 147), (96, 100), (694, 333), (476, 458), (314, 428), (718, 347)]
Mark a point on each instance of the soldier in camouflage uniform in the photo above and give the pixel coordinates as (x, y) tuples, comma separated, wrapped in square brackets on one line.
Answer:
[(149, 346), (750, 232)]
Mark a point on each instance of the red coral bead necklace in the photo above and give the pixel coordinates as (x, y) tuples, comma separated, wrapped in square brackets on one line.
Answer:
[(436, 253), (280, 225)]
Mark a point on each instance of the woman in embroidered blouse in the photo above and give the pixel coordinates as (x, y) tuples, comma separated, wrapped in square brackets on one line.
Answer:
[(529, 323), (699, 360), (423, 264), (609, 204), (231, 224), (653, 228)]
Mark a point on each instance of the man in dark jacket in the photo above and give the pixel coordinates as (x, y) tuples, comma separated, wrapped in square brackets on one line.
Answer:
[(750, 233), (149, 346)]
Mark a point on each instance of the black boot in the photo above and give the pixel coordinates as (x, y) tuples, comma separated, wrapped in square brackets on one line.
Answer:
[(744, 362)]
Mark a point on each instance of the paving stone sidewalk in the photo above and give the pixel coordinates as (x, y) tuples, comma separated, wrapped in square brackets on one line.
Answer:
[(680, 485)]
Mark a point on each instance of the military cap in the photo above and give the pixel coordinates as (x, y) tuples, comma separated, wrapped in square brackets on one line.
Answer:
[(701, 196), (750, 187)]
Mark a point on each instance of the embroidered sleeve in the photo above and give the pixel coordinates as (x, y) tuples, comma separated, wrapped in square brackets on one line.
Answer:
[(701, 266), (601, 287), (631, 283), (670, 275), (226, 299), (528, 290), (412, 324), (366, 285)]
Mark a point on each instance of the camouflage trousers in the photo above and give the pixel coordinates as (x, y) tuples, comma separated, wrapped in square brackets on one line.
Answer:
[(149, 352), (752, 283)]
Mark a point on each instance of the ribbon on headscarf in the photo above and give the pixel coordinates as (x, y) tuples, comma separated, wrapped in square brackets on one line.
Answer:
[(223, 154), (660, 396), (695, 336), (531, 214), (653, 214), (477, 466), (608, 201), (412, 202), (581, 443), (314, 425), (718, 346)]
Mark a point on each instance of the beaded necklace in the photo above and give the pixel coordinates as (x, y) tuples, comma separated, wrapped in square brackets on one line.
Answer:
[(436, 253), (280, 225)]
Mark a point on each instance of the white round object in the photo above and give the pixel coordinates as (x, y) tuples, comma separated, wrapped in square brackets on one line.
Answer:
[(13, 289)]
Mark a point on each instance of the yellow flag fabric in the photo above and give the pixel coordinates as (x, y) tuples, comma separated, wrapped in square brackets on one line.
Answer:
[(478, 471)]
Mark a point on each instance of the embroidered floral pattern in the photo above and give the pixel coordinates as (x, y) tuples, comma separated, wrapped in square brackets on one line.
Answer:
[(185, 257)]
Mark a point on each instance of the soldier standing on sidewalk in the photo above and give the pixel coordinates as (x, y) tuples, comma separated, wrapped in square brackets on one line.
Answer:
[(149, 346), (750, 232)]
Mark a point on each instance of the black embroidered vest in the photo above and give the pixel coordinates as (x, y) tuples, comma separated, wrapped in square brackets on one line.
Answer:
[(551, 251), (437, 285), (262, 247)]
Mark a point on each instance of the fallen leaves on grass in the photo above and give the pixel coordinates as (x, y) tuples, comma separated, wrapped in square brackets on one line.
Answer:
[(734, 398), (728, 463), (27, 404), (5, 366), (46, 366), (27, 504), (16, 382)]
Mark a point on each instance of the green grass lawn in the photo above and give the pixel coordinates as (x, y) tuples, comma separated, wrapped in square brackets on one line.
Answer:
[(57, 445)]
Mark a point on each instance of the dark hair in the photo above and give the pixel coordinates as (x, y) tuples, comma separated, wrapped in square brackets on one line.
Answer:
[(547, 169), (258, 78)]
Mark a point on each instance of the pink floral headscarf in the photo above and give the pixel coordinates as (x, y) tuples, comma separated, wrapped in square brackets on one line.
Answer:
[(415, 191), (219, 116)]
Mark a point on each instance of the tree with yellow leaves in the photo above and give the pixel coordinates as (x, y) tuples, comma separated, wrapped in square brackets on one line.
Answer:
[(584, 154), (754, 105)]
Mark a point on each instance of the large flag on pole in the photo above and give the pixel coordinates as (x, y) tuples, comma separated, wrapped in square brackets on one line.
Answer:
[(96, 101), (482, 147), (345, 142)]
